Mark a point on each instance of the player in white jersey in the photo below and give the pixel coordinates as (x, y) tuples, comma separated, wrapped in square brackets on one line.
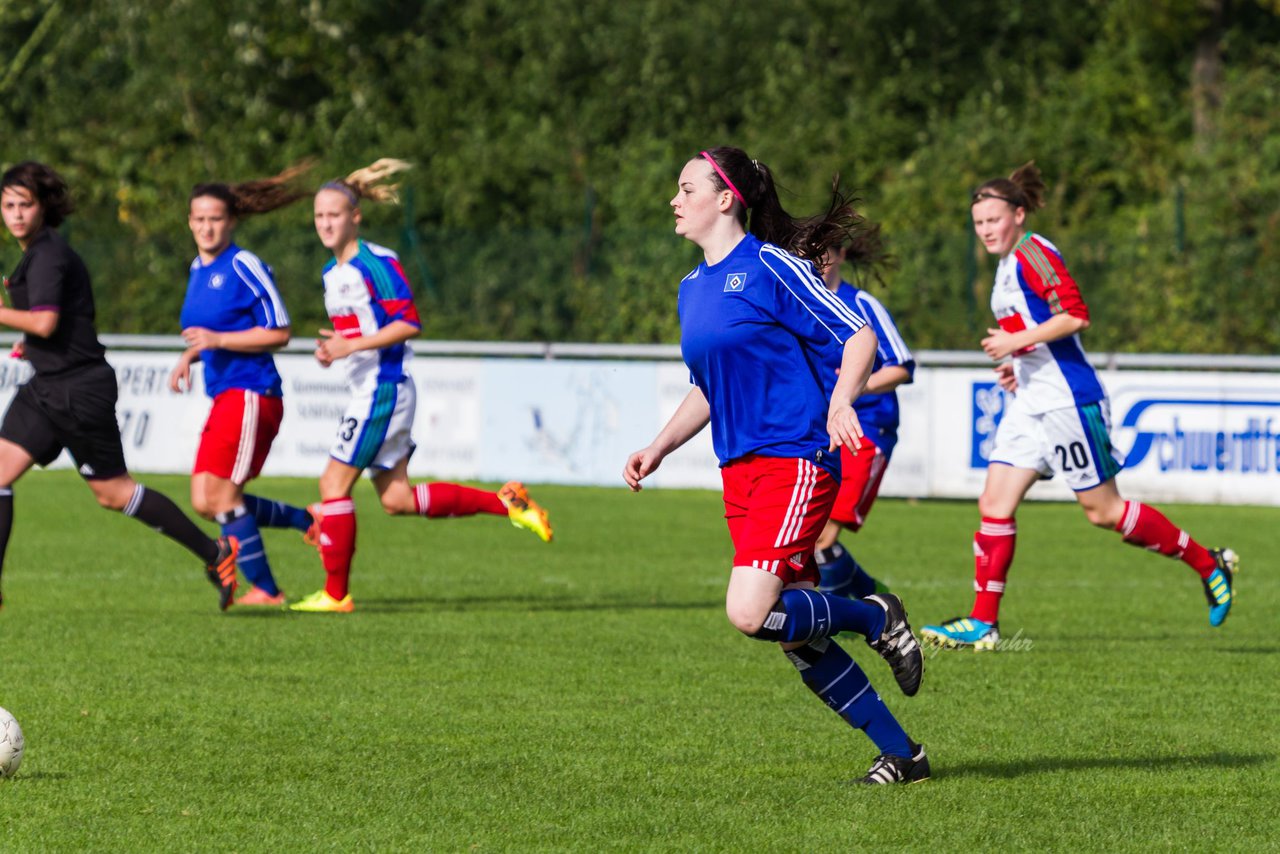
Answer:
[(368, 299), (1057, 420)]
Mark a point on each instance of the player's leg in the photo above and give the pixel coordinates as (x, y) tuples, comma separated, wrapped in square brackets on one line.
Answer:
[(775, 509), (337, 539), (1019, 458), (861, 474), (27, 438), (233, 447), (14, 462)]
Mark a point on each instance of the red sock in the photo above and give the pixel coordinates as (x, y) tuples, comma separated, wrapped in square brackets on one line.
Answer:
[(993, 554), (337, 544), (1146, 527), (449, 499)]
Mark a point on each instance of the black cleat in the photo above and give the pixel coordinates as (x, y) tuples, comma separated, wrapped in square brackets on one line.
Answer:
[(896, 769), (222, 572), (897, 645)]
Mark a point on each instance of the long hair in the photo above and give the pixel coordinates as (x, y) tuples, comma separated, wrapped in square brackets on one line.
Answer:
[(256, 197), (761, 212), (866, 253), (368, 182), (1022, 189), (45, 185)]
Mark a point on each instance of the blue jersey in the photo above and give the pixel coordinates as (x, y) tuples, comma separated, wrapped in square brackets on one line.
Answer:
[(878, 413), (758, 331), (232, 293)]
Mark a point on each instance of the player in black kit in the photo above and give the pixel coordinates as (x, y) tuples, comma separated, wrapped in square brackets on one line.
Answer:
[(70, 402)]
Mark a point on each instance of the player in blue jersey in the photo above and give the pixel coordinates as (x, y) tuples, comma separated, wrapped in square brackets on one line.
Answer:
[(368, 299), (232, 319), (877, 409), (1057, 420), (758, 333), (70, 401)]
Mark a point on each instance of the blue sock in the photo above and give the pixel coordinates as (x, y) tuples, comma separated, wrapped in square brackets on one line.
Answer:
[(277, 514), (806, 615), (840, 683), (252, 559), (842, 575)]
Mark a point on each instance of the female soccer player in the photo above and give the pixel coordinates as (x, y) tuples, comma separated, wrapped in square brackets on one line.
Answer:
[(232, 319), (877, 410), (1057, 420), (757, 331), (70, 402), (369, 301)]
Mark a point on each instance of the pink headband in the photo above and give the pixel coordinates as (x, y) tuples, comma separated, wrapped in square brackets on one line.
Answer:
[(725, 178)]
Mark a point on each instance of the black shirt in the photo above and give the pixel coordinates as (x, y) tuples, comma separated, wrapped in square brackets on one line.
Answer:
[(51, 276)]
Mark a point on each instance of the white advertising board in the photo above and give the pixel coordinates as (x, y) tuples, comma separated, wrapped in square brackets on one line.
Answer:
[(1189, 435)]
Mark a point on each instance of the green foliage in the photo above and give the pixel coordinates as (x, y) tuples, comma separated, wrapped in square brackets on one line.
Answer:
[(547, 137)]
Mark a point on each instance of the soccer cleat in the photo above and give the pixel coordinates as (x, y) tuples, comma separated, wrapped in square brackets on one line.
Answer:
[(322, 602), (1219, 587), (311, 536), (897, 769), (963, 631), (897, 645), (222, 572), (259, 597), (524, 511)]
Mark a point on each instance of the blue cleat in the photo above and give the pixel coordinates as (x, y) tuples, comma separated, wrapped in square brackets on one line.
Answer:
[(963, 632), (1219, 587)]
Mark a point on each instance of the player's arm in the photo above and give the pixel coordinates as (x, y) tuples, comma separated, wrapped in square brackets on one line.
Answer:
[(41, 322), (998, 344), (855, 368), (259, 339), (887, 379), (331, 346), (690, 417)]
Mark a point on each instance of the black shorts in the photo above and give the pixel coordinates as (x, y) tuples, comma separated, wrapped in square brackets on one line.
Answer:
[(76, 412)]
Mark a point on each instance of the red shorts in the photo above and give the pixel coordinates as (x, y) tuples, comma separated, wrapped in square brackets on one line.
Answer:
[(860, 476), (776, 507), (235, 440)]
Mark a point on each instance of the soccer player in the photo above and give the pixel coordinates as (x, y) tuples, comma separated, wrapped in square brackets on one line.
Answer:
[(1057, 420), (757, 332), (232, 319), (369, 301), (70, 402), (877, 409)]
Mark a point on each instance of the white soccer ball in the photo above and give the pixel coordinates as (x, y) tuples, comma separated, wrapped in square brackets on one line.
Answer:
[(11, 744)]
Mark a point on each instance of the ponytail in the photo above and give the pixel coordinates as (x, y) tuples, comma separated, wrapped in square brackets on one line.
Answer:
[(760, 211), (1022, 189), (366, 183), (257, 197)]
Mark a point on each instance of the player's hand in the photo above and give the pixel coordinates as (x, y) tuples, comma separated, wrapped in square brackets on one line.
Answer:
[(330, 347), (640, 465), (202, 339), (180, 377), (19, 350), (1005, 376), (998, 344), (843, 427)]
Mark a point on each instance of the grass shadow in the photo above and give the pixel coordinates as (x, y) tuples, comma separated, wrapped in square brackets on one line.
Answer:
[(522, 603), (1050, 764)]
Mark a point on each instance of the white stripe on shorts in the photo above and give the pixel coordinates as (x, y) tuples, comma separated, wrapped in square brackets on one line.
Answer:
[(248, 437)]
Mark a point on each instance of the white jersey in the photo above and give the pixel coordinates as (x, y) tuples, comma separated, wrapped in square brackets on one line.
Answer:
[(1032, 285), (362, 296)]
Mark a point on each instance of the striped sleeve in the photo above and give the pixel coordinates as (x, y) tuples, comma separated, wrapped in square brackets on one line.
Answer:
[(804, 305), (1046, 275), (390, 287), (268, 307), (891, 347)]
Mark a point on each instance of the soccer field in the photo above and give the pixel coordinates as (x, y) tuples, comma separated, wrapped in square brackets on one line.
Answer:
[(492, 693)]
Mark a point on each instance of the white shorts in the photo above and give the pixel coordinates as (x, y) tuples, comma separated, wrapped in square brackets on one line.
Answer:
[(1074, 442), (376, 430)]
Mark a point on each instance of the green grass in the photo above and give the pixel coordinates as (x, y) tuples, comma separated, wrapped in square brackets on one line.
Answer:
[(493, 694)]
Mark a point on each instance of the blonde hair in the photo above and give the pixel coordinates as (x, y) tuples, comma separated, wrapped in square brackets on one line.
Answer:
[(367, 183)]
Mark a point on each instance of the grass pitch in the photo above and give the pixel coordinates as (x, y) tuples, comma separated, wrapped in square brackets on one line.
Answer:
[(492, 693)]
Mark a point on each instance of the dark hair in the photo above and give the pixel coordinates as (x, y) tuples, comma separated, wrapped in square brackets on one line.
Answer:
[(865, 252), (255, 197), (46, 185), (1023, 189), (808, 237)]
